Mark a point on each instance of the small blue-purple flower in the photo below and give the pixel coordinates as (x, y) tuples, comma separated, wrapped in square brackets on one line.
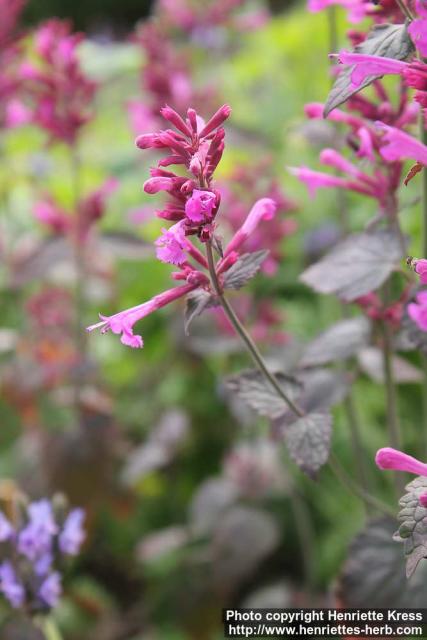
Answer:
[(50, 589), (36, 538), (10, 585), (6, 529), (72, 534)]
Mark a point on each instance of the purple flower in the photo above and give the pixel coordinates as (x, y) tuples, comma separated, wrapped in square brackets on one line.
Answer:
[(72, 534), (43, 564), (50, 590), (417, 311), (366, 65), (10, 586), (200, 206), (6, 529), (36, 538)]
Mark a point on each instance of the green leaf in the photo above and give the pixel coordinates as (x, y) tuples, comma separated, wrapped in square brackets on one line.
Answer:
[(340, 341), (196, 302), (385, 40), (255, 390), (413, 529), (357, 265), (374, 572), (244, 269), (308, 441)]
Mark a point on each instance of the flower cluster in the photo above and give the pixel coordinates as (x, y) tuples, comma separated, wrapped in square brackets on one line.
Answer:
[(29, 579), (58, 90), (193, 206), (88, 211)]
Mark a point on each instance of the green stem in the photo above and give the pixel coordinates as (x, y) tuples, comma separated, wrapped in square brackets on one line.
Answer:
[(342, 476), (48, 627), (393, 422), (80, 282), (243, 334)]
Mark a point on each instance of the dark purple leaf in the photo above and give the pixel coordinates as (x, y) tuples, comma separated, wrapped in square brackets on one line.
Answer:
[(340, 341), (244, 269), (413, 528)]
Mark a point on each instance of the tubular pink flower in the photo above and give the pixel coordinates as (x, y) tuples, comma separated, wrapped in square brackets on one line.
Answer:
[(263, 209), (199, 207), (174, 118), (417, 311), (158, 183), (389, 458), (49, 213), (400, 145), (122, 322), (170, 245), (217, 119), (421, 269), (315, 110), (366, 148), (315, 180), (366, 65), (332, 158)]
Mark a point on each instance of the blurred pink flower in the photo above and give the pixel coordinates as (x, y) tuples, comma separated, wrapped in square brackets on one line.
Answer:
[(418, 28), (400, 146), (417, 311)]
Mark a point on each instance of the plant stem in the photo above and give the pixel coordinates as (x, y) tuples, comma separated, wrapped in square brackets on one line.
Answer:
[(404, 9), (391, 394), (48, 627), (424, 255), (243, 334), (80, 275), (341, 474)]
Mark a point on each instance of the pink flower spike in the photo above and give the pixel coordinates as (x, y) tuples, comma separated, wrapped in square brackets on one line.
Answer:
[(263, 209), (366, 65), (170, 245), (217, 119), (199, 207), (400, 145), (315, 180), (421, 269), (389, 458)]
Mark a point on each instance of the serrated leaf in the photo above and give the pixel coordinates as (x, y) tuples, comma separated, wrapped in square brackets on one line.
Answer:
[(385, 40), (357, 265), (244, 269), (322, 388), (413, 529), (253, 388), (195, 303), (374, 572), (308, 441), (341, 340)]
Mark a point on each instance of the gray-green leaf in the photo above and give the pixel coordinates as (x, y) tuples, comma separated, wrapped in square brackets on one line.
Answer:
[(357, 265), (341, 340), (253, 388), (244, 269), (413, 529), (308, 440), (374, 572), (196, 302), (385, 40)]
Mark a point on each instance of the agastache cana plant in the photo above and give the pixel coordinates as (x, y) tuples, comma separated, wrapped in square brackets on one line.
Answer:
[(193, 205)]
